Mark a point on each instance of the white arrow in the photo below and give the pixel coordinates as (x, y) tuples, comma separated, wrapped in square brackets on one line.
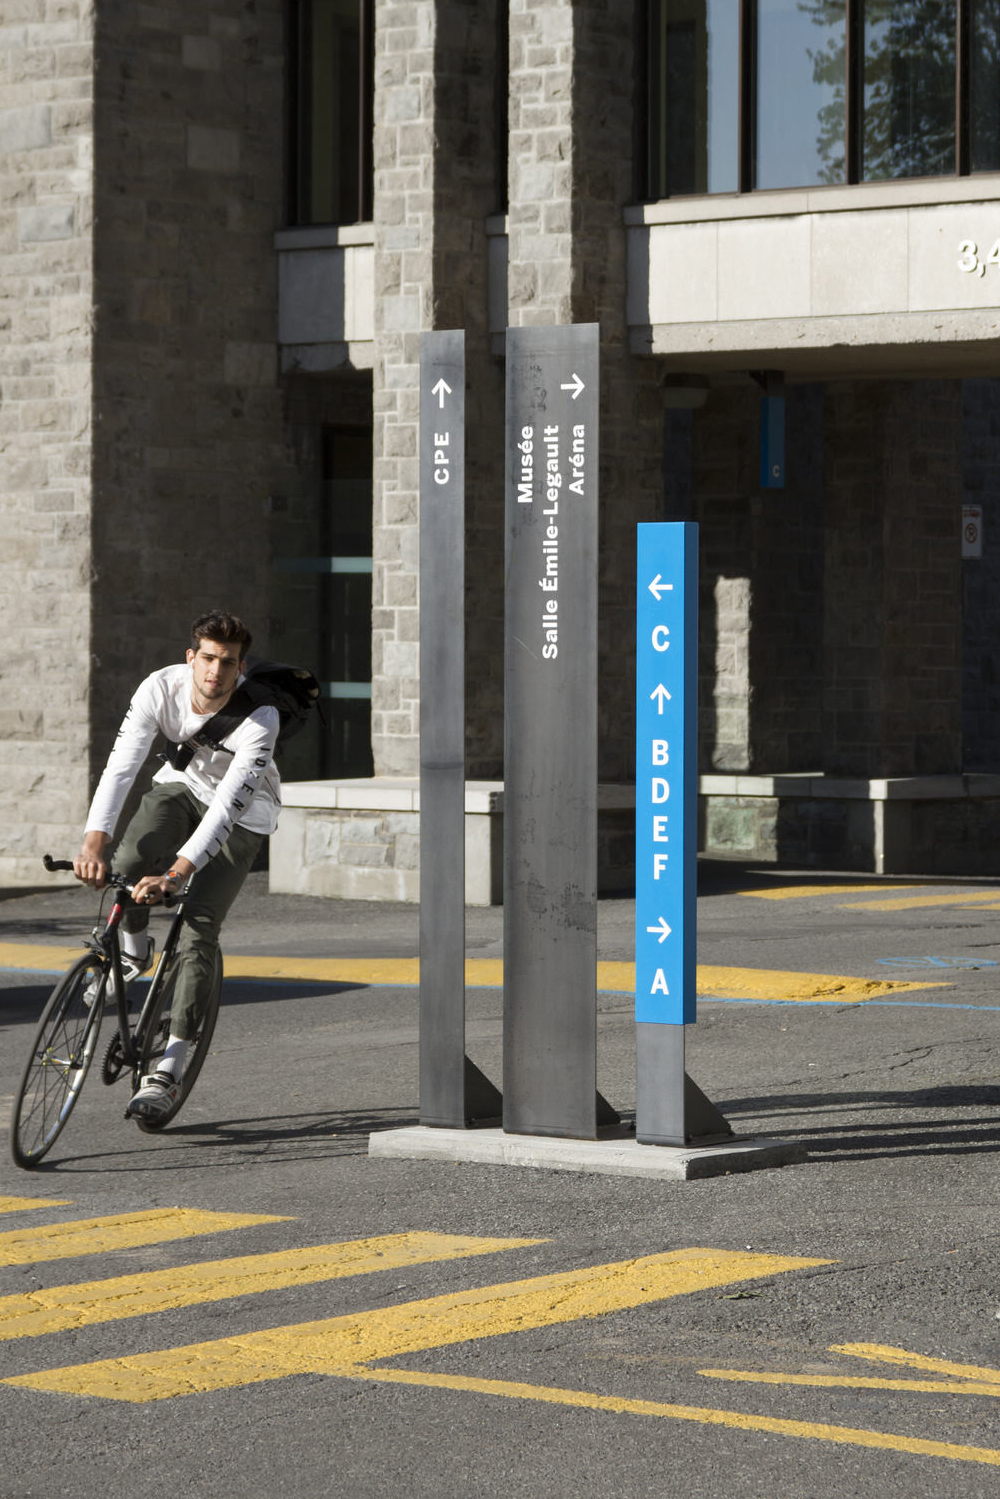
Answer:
[(441, 389), (575, 385), (661, 695), (658, 587), (661, 930)]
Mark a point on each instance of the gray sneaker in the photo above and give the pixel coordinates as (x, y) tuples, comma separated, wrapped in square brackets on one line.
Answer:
[(131, 969), (155, 1096), (93, 984)]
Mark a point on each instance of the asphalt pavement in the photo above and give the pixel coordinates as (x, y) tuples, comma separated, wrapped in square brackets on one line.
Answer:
[(251, 1302)]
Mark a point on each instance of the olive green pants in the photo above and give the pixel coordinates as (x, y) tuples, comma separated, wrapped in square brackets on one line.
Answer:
[(163, 822)]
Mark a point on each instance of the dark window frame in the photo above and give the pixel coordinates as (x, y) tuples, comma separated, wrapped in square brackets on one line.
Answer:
[(649, 103), (299, 134)]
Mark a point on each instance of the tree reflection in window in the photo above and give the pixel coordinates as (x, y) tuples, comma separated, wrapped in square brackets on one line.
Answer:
[(819, 92)]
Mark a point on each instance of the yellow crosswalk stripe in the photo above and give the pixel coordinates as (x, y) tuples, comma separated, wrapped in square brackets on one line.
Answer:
[(817, 1431), (21, 1204), (880, 1353), (60, 1241), (805, 892), (44, 957), (959, 1379), (613, 975), (978, 900), (57, 1308), (345, 1345), (775, 984)]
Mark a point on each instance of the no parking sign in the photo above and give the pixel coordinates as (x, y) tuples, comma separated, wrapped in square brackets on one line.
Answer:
[(972, 530)]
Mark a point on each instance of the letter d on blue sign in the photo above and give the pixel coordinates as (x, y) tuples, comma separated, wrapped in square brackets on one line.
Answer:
[(666, 773)]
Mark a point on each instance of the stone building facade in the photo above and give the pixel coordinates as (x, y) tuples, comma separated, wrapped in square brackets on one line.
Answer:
[(209, 395)]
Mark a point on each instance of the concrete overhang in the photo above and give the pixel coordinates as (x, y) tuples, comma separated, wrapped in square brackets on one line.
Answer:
[(882, 280)]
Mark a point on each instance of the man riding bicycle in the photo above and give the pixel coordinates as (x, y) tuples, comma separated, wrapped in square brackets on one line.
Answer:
[(202, 821)]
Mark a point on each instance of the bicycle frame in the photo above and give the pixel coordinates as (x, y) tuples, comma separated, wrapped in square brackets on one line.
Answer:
[(66, 1035), (108, 947)]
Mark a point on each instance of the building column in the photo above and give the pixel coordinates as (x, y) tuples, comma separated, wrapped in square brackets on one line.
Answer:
[(434, 190), (46, 449), (572, 67)]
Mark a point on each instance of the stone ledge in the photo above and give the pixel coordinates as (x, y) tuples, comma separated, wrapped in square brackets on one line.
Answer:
[(358, 839), (324, 236), (388, 793), (610, 1157), (884, 789), (793, 202), (402, 794)]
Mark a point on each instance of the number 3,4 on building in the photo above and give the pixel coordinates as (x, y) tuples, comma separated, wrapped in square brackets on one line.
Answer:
[(969, 261)]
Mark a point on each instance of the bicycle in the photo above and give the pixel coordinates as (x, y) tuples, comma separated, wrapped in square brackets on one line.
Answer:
[(66, 1038)]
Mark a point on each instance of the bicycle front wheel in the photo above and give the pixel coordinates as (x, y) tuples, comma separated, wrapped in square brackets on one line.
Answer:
[(61, 1053), (155, 1040)]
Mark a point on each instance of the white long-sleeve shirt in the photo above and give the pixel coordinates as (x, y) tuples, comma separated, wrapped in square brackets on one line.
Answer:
[(238, 785)]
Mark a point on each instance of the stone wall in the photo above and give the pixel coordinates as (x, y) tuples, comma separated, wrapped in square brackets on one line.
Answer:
[(404, 142), (981, 579), (761, 643), (46, 214), (469, 76), (434, 82), (831, 609), (572, 70), (785, 641), (892, 579), (188, 415)]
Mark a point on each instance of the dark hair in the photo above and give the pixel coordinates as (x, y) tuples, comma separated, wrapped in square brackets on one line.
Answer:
[(226, 629)]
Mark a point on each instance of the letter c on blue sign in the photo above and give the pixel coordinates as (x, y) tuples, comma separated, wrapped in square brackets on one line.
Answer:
[(660, 642)]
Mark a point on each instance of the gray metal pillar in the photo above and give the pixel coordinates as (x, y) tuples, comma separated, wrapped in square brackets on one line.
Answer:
[(550, 732), (452, 1090)]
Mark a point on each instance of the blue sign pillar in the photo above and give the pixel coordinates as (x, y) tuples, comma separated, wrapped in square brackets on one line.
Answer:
[(670, 1109), (666, 773)]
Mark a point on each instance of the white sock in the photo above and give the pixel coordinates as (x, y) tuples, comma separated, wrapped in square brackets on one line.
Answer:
[(172, 1059), (135, 944)]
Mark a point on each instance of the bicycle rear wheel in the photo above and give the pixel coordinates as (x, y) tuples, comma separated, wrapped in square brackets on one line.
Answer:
[(61, 1053), (155, 1040)]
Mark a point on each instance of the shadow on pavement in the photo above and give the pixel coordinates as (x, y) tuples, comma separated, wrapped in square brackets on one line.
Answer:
[(731, 876), (337, 1133), (327, 1135), (861, 1139)]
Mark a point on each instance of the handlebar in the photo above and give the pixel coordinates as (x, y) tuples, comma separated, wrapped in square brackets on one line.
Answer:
[(55, 866)]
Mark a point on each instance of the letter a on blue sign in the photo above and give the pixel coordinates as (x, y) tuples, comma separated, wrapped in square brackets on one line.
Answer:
[(666, 773)]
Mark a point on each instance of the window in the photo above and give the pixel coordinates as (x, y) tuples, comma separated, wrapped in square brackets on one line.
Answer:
[(346, 598), (799, 89), (322, 591), (746, 94), (982, 65), (332, 89), (693, 96)]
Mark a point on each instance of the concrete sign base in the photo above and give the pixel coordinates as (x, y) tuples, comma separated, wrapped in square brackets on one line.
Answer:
[(620, 1155)]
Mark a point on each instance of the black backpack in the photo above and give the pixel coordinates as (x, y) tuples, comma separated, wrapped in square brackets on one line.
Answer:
[(293, 690)]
